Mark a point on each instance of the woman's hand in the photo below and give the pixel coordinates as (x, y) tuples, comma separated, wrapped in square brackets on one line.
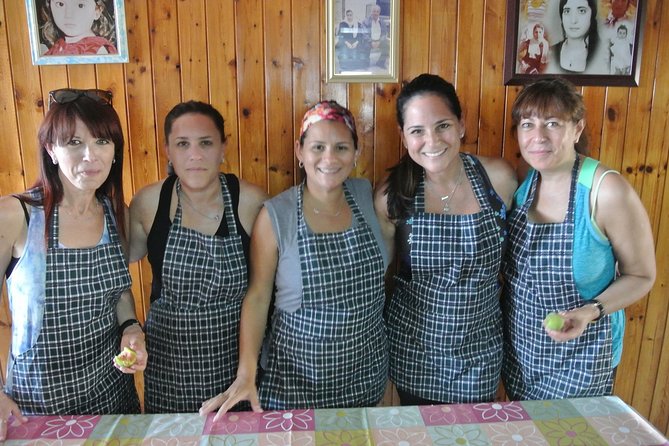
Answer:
[(8, 408), (575, 323), (133, 337), (242, 389)]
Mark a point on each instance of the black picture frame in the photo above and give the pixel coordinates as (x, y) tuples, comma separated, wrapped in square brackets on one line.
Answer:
[(608, 65)]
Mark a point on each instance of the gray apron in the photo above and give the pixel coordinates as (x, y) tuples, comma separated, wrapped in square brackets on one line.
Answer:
[(69, 370), (444, 325), (332, 351), (192, 329), (539, 279)]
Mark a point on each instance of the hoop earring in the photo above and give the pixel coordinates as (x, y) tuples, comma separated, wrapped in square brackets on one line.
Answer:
[(355, 164), (300, 165), (114, 161), (169, 163)]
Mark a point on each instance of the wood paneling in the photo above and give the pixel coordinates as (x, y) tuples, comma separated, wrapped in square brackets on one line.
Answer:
[(262, 63)]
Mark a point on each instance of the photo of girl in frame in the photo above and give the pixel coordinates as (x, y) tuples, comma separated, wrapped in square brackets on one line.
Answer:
[(77, 31)]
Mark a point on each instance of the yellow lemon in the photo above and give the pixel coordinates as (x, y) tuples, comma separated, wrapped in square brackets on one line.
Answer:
[(126, 358)]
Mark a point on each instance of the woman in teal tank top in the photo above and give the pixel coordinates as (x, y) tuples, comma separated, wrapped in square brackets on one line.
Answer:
[(570, 252)]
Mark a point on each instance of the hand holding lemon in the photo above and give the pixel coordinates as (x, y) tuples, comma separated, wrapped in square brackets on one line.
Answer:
[(126, 358), (554, 322)]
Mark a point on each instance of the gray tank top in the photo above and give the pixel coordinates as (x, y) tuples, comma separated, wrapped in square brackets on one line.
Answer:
[(282, 211)]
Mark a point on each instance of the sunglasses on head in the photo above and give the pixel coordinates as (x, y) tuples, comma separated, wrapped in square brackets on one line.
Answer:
[(67, 95)]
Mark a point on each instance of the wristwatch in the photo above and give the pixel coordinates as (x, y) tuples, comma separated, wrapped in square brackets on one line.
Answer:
[(600, 307)]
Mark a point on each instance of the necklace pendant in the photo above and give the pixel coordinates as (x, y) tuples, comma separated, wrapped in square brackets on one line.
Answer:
[(447, 208)]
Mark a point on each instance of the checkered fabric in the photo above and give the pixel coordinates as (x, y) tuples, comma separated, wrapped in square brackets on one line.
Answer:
[(444, 325), (192, 329), (69, 370), (539, 279), (332, 351)]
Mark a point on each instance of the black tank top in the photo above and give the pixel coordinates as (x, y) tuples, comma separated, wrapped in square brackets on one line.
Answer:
[(157, 237)]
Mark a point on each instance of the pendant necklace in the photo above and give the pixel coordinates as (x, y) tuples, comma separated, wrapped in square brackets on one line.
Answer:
[(215, 217), (446, 199), (335, 214)]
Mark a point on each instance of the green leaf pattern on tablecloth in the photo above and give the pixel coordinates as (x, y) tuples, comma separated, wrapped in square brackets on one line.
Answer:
[(569, 432)]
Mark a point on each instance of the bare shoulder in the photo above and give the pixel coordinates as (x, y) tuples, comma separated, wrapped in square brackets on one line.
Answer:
[(502, 176), (252, 193), (145, 201), (11, 214), (614, 189), (251, 198), (12, 227)]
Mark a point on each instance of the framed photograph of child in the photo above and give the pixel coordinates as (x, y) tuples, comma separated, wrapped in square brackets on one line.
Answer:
[(589, 42), (77, 31), (362, 40)]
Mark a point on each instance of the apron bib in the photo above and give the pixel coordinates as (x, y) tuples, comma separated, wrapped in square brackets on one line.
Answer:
[(539, 279), (332, 351), (444, 325), (192, 329), (69, 370)]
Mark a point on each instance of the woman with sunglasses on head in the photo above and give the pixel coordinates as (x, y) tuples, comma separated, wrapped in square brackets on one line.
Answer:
[(318, 246), (445, 211), (195, 226), (62, 249)]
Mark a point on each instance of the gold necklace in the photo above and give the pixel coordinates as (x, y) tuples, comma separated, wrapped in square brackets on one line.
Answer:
[(215, 217), (446, 199)]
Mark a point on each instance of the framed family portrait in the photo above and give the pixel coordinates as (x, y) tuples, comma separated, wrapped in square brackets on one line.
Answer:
[(362, 40), (77, 31), (589, 42)]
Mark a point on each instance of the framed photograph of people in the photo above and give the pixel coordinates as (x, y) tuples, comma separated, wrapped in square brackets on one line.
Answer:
[(77, 31), (590, 42), (362, 40)]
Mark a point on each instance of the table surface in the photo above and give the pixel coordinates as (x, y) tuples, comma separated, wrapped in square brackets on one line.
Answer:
[(584, 421)]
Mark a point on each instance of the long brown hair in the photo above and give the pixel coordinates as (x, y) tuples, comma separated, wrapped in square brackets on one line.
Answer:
[(59, 127)]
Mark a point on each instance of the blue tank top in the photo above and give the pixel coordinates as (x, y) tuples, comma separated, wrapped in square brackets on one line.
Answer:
[(594, 265)]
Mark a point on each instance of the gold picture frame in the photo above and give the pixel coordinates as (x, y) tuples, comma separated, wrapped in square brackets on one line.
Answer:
[(362, 40)]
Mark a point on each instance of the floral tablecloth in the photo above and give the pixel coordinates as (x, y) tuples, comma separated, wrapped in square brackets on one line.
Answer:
[(586, 421)]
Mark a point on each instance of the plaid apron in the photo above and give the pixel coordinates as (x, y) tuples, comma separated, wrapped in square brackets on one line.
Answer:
[(444, 326), (539, 279), (69, 370), (332, 351), (192, 329)]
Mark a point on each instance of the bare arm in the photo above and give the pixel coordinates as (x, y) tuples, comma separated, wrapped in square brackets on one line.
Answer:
[(143, 209), (502, 176), (132, 336), (387, 225), (264, 261), (620, 213), (251, 198)]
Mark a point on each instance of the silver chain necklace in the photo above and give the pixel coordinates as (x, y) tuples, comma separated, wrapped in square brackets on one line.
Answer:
[(215, 217), (446, 199)]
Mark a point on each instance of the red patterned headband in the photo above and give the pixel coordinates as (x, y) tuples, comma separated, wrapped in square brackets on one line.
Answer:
[(328, 111)]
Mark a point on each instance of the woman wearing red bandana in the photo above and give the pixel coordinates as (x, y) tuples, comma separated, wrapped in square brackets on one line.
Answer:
[(318, 247)]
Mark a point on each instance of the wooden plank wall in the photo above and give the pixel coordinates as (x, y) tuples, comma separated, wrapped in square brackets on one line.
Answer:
[(261, 62)]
